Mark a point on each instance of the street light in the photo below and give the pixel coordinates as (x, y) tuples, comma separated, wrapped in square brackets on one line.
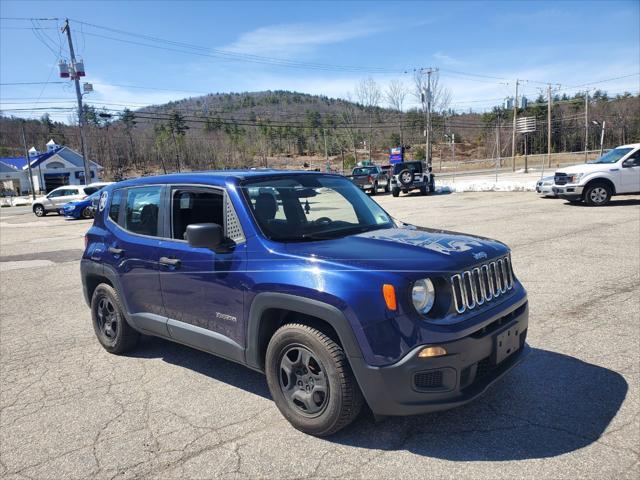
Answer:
[(596, 122)]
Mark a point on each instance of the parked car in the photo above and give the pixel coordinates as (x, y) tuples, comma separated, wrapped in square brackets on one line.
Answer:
[(304, 277), (615, 173), (544, 187), (54, 200), (81, 208), (408, 176), (370, 178)]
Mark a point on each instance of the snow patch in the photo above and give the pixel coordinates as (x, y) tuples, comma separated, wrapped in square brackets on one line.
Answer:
[(486, 186)]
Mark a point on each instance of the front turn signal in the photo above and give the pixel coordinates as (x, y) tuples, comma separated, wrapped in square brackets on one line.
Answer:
[(429, 352), (389, 294)]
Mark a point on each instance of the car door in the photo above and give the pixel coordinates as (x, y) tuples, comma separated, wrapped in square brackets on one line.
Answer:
[(630, 174), (51, 200), (203, 290), (133, 222)]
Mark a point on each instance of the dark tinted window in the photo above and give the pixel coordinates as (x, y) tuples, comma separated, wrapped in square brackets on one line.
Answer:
[(195, 206), (114, 208), (142, 209), (364, 170), (413, 167), (90, 190)]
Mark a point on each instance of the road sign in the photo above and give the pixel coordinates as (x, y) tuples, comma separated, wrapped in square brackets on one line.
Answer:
[(526, 124), (396, 155)]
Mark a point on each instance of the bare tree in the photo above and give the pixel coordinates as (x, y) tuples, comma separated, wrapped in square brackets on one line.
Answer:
[(396, 93), (441, 96), (369, 95)]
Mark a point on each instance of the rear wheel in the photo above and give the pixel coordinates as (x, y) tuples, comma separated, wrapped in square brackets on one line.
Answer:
[(424, 190), (109, 323), (374, 190), (395, 192), (387, 187), (597, 194), (310, 380), (39, 210)]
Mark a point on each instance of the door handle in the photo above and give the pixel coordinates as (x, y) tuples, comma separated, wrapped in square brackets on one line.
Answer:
[(115, 251), (171, 262)]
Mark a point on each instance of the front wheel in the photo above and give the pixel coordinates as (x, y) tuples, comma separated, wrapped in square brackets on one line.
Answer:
[(39, 210), (597, 194), (310, 380)]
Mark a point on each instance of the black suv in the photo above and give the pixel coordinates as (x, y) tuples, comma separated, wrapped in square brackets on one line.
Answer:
[(408, 176)]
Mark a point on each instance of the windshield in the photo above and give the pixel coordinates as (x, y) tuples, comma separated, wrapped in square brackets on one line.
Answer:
[(364, 171), (312, 207), (413, 167), (613, 156)]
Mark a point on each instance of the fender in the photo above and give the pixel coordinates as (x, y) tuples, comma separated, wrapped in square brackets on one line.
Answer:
[(147, 323), (324, 311)]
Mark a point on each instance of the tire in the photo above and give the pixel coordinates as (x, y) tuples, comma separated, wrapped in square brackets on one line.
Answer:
[(424, 190), (387, 187), (395, 192), (319, 394), (374, 190), (39, 210), (432, 184), (86, 213), (405, 177), (597, 194), (109, 324)]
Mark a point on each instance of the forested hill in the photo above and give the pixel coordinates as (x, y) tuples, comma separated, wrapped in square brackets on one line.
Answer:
[(291, 129)]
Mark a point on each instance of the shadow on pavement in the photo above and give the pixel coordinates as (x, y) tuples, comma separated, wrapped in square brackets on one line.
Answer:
[(549, 405), (614, 202)]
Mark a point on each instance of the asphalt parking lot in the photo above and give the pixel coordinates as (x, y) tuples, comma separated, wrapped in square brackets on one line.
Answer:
[(571, 410)]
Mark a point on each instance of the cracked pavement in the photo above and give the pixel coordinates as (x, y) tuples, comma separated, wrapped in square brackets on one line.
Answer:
[(571, 410)]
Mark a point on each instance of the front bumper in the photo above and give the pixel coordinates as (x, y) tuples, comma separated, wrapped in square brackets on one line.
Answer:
[(569, 192), (415, 385)]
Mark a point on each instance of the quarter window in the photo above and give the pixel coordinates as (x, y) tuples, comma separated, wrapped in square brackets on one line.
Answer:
[(142, 208), (114, 208)]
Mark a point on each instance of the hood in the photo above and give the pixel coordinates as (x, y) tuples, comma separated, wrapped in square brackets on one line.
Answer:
[(406, 249), (587, 168)]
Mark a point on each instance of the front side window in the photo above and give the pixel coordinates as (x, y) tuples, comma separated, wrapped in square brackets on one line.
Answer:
[(191, 206), (142, 209), (312, 207), (613, 156)]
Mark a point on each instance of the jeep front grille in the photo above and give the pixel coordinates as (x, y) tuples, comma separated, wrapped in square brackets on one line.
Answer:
[(482, 284)]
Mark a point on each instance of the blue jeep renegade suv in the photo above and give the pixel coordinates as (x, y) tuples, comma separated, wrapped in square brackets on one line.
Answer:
[(302, 276)]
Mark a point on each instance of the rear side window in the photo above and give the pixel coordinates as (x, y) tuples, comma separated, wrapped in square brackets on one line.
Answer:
[(114, 208), (90, 190), (142, 209)]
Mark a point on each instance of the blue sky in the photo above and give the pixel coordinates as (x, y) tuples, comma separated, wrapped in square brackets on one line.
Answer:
[(566, 43)]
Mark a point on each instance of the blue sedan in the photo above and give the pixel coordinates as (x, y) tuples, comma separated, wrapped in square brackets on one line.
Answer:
[(80, 209)]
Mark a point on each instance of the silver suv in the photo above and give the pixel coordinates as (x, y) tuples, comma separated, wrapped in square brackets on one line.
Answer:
[(53, 201)]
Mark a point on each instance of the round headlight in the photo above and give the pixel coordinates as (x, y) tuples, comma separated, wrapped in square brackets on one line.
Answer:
[(423, 295)]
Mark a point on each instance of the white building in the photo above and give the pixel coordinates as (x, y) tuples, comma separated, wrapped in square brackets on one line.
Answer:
[(58, 166)]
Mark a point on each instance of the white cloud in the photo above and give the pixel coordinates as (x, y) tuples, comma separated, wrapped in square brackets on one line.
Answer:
[(289, 40), (445, 59)]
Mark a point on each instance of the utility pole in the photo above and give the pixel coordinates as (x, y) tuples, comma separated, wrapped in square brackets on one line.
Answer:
[(426, 105), (513, 136), (76, 80), (586, 125), (602, 138), (548, 127), (26, 155), (498, 160)]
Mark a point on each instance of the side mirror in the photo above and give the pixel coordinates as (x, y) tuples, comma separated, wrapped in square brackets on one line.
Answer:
[(204, 235), (631, 162)]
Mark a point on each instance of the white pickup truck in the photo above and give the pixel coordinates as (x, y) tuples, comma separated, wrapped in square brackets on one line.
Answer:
[(615, 173)]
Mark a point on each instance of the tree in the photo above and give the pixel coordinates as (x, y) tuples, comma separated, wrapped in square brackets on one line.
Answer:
[(128, 120), (178, 127), (369, 95), (396, 94)]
